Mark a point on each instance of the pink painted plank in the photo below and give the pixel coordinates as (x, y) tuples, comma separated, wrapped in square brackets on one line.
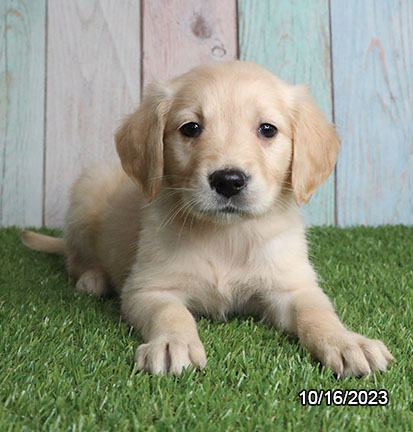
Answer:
[(181, 34), (93, 80)]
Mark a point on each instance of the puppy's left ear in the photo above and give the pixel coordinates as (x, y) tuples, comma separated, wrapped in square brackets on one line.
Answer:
[(139, 141), (315, 146)]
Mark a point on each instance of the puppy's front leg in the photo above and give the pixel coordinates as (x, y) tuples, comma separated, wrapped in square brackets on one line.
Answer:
[(169, 330), (307, 312)]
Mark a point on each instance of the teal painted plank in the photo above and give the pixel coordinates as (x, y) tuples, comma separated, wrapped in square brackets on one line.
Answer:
[(292, 39), (373, 88), (3, 98), (22, 77)]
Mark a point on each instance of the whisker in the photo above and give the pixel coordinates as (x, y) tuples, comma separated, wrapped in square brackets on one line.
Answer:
[(160, 198), (191, 205), (182, 208), (168, 176), (285, 205), (171, 212), (181, 189), (176, 209)]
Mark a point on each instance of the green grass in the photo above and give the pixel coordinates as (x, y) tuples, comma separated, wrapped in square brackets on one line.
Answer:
[(67, 358)]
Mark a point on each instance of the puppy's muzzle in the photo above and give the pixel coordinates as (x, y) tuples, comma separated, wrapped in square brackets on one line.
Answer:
[(228, 182)]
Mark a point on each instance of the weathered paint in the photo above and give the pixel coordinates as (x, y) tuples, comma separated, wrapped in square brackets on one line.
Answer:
[(292, 39), (182, 34), (93, 80), (373, 94), (22, 90), (90, 70)]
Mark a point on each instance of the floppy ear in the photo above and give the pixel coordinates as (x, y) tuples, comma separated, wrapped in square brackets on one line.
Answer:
[(315, 146), (139, 141)]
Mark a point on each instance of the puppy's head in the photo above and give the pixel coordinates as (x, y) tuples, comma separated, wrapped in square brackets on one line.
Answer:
[(230, 140)]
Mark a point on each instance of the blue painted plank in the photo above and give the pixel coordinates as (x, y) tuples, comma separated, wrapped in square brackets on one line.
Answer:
[(292, 39), (22, 78), (373, 92)]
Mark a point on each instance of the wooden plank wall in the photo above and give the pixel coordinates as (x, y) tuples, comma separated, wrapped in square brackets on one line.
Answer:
[(181, 34), (70, 70), (294, 43), (373, 94), (93, 75), (22, 94)]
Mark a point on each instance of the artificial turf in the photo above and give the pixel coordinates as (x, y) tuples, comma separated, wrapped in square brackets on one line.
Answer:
[(67, 358)]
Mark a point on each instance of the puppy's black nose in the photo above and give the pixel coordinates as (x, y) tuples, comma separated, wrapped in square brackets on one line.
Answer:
[(228, 182)]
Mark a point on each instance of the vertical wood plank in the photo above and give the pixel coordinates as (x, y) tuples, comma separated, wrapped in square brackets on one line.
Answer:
[(292, 39), (373, 88), (22, 76), (181, 34), (93, 80), (4, 102)]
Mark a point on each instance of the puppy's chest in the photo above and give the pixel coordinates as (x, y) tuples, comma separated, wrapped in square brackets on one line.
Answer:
[(224, 283)]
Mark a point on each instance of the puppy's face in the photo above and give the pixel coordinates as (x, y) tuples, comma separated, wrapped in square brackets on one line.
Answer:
[(228, 142), (228, 139)]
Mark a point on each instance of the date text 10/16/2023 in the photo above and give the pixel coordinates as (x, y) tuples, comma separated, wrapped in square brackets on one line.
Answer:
[(344, 397)]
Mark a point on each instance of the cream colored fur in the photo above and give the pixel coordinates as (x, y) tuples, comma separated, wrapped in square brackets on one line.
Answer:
[(153, 232)]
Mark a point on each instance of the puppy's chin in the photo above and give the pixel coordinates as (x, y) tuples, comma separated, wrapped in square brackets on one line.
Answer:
[(217, 210), (223, 214)]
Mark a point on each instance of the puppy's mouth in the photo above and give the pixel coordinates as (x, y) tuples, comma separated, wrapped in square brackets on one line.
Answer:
[(230, 210), (226, 212)]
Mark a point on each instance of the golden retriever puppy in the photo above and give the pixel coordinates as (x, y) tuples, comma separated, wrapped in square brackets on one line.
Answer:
[(202, 218)]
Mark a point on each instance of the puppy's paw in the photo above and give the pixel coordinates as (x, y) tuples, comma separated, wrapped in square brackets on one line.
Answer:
[(94, 282), (348, 353), (170, 354)]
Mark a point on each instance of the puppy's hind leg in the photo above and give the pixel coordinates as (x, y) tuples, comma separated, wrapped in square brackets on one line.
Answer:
[(94, 281)]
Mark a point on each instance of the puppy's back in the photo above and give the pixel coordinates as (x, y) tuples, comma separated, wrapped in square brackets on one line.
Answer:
[(98, 221)]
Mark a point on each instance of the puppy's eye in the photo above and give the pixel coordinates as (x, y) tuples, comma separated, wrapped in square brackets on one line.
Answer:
[(267, 130), (191, 130)]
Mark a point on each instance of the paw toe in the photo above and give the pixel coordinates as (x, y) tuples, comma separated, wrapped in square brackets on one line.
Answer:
[(169, 355), (93, 282)]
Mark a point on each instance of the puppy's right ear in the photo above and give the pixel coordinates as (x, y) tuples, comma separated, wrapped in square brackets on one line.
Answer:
[(315, 146), (139, 141)]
